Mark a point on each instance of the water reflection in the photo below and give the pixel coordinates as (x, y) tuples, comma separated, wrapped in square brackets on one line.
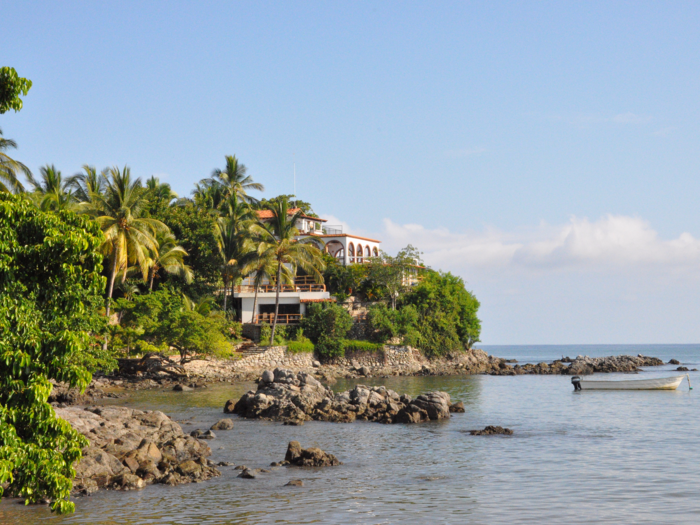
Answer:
[(616, 457)]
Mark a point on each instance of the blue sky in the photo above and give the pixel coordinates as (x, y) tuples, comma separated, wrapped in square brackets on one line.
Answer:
[(546, 152)]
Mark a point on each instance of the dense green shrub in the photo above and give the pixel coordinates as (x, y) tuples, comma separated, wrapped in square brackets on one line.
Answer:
[(50, 312), (351, 345), (385, 324), (447, 314), (298, 347), (326, 324)]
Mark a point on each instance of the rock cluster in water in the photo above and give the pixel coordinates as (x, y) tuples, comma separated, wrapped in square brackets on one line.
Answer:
[(492, 431), (309, 457), (130, 449), (283, 395), (582, 365)]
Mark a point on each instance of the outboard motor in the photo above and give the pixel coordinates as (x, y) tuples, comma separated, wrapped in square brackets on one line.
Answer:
[(576, 381)]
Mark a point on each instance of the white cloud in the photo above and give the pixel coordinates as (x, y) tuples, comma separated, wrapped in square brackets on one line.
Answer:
[(613, 241)]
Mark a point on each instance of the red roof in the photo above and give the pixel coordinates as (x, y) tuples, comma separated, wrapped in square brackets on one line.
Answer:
[(267, 214)]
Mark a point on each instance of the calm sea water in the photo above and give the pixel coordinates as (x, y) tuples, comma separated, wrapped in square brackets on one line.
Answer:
[(588, 457)]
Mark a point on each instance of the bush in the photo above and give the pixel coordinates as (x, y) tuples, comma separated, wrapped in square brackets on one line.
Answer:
[(280, 335), (386, 324), (300, 347), (328, 348), (350, 345), (326, 320)]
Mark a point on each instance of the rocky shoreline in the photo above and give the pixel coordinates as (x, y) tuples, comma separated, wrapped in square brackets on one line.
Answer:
[(130, 449), (294, 398)]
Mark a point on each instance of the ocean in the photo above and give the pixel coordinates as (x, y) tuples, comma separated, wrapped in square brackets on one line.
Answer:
[(574, 458)]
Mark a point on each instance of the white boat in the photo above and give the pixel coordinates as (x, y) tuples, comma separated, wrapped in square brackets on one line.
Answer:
[(660, 383)]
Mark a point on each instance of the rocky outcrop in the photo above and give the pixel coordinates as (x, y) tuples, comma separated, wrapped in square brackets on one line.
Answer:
[(492, 431), (309, 457), (582, 365), (130, 449), (283, 395)]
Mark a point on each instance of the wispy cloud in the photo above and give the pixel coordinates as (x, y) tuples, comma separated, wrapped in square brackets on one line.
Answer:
[(613, 241), (465, 152), (664, 131)]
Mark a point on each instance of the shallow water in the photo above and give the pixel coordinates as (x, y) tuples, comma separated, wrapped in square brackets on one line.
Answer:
[(587, 457)]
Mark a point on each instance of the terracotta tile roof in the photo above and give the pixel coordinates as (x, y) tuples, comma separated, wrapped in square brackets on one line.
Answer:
[(329, 300), (267, 214), (348, 235)]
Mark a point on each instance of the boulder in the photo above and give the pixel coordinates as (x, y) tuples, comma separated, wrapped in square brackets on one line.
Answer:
[(223, 424), (457, 408), (182, 388), (309, 457), (492, 431), (674, 362), (297, 397), (127, 444), (295, 483), (682, 369), (249, 474)]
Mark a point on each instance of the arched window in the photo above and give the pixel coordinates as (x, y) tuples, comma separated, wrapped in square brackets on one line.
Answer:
[(359, 253), (351, 252), (368, 253), (376, 252)]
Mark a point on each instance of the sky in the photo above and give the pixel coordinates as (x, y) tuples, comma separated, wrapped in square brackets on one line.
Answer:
[(546, 152)]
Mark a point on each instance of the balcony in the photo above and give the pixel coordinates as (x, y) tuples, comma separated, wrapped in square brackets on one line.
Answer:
[(281, 318), (301, 284), (333, 230)]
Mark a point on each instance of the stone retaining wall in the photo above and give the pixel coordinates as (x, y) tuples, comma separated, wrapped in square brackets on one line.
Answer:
[(278, 357)]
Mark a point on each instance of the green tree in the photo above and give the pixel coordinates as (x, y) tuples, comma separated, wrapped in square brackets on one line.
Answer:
[(393, 273), (50, 296), (235, 241), (232, 180), (168, 258), (278, 241), (52, 192), (386, 324), (263, 268), (305, 207), (10, 168), (447, 313), (128, 235), (84, 185), (11, 87), (160, 194), (196, 231), (327, 324)]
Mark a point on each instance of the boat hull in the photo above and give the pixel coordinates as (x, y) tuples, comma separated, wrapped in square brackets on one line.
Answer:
[(661, 383)]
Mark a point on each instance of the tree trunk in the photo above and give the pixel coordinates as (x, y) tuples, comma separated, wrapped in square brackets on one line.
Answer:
[(110, 289), (153, 274), (277, 302), (255, 302), (225, 294)]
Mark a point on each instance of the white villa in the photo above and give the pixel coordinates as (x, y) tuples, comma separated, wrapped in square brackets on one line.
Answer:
[(346, 248)]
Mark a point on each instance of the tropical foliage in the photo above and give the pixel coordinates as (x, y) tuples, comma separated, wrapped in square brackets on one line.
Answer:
[(327, 324), (10, 168), (50, 291), (12, 86)]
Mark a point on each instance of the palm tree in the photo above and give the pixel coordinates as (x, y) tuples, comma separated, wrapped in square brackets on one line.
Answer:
[(234, 181), (170, 258), (10, 168), (87, 183), (160, 191), (235, 242), (52, 192), (279, 238), (263, 267), (204, 306), (128, 236)]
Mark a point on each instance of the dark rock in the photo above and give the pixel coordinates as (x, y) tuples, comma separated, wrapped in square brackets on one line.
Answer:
[(224, 464), (127, 444), (241, 467), (248, 474), (492, 431), (196, 433), (682, 369), (295, 483), (457, 407), (268, 376), (223, 424), (182, 388), (208, 435), (295, 398), (364, 371), (309, 457), (674, 362)]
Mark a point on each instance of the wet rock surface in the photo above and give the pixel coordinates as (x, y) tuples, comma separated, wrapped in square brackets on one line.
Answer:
[(130, 449), (293, 398), (492, 431), (309, 457), (581, 365)]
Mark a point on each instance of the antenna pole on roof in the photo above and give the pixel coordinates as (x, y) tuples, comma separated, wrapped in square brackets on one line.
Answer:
[(295, 175)]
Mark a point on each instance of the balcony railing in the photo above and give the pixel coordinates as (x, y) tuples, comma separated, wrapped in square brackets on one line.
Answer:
[(333, 230), (281, 318), (302, 283)]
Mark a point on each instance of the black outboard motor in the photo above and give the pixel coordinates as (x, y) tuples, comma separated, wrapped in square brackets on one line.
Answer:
[(576, 381)]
